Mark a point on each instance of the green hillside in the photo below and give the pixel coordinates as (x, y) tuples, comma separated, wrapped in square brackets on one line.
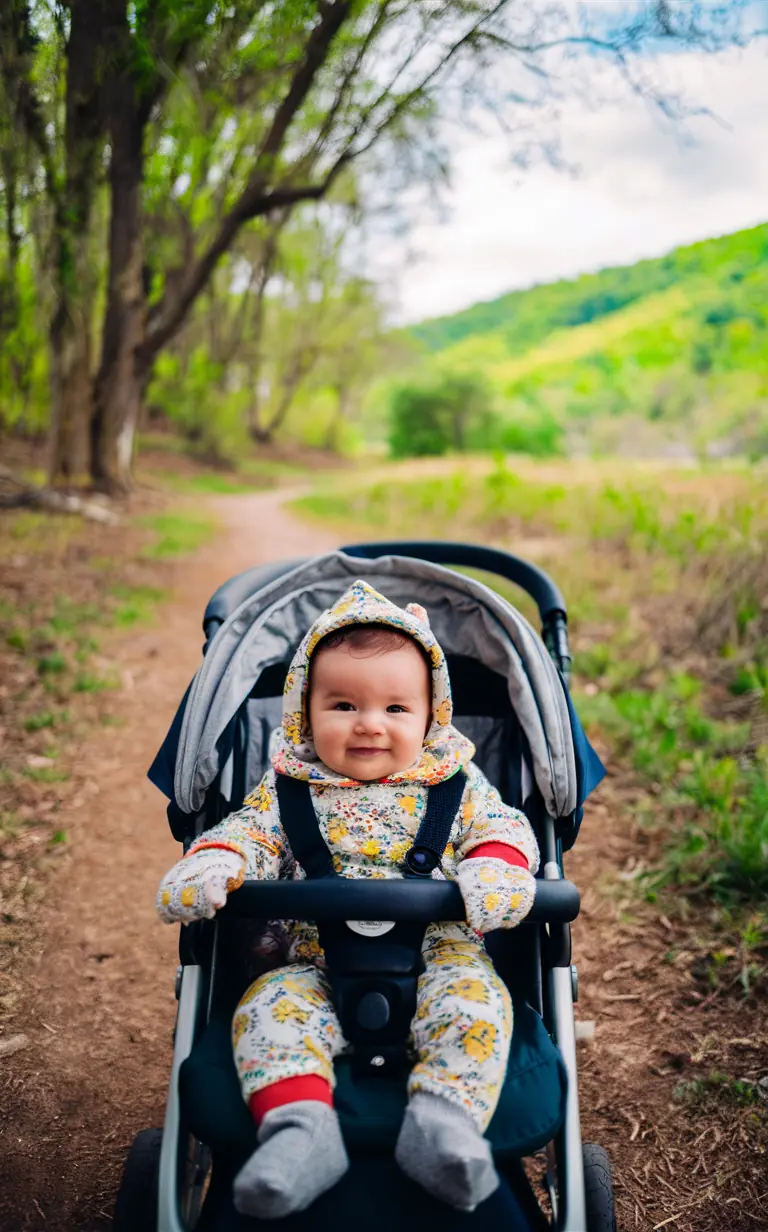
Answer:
[(672, 349)]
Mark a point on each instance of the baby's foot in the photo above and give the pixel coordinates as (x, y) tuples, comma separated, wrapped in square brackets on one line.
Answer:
[(301, 1155), (441, 1148)]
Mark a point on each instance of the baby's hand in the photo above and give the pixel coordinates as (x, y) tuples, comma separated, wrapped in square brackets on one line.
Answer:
[(496, 894), (198, 885)]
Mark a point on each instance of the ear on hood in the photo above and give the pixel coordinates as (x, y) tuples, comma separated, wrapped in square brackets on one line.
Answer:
[(361, 605)]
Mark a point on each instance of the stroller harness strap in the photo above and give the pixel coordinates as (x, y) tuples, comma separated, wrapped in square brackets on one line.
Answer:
[(299, 821), (374, 978)]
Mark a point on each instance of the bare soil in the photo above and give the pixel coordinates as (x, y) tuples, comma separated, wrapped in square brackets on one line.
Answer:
[(97, 1006)]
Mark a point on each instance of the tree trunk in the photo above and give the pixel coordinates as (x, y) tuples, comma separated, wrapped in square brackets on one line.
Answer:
[(302, 363), (259, 435), (70, 358), (124, 371), (70, 332), (339, 417)]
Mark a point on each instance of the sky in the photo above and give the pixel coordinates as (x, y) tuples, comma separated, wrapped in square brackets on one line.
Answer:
[(641, 188)]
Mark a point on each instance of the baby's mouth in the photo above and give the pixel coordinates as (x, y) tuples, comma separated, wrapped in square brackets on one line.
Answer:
[(365, 751)]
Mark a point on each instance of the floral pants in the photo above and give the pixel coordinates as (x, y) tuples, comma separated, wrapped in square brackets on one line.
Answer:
[(285, 1026)]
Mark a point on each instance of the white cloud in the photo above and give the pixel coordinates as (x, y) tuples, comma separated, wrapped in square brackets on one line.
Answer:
[(641, 190)]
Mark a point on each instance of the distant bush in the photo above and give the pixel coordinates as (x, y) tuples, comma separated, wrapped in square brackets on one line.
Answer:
[(437, 414), (535, 432)]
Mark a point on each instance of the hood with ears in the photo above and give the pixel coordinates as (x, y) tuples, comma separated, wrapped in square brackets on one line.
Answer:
[(444, 750)]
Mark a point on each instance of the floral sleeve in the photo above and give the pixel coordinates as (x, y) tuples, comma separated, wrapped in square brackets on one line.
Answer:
[(255, 832), (485, 818)]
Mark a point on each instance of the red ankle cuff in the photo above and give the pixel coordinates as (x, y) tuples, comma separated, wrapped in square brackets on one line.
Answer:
[(500, 851), (289, 1091)]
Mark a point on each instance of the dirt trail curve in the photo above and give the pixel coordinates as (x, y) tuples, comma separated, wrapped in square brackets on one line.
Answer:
[(100, 1008)]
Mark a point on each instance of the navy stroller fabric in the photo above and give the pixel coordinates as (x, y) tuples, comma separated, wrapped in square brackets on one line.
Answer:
[(374, 1195)]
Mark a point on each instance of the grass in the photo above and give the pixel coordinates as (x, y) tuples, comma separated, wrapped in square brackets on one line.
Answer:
[(664, 572), (718, 1088), (45, 774), (176, 534), (86, 682), (212, 483), (45, 719), (25, 530), (697, 764), (136, 604)]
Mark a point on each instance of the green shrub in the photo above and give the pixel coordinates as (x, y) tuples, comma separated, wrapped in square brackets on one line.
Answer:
[(535, 432), (441, 413)]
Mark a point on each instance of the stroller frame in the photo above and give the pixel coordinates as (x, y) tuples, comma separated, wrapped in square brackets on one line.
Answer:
[(181, 1178)]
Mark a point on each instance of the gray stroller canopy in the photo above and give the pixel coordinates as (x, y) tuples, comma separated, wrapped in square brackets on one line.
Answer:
[(468, 619)]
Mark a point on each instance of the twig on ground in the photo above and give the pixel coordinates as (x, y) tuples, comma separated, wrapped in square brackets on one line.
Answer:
[(16, 493)]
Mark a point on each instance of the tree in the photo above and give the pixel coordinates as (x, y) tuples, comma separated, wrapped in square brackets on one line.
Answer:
[(250, 109), (319, 323), (448, 411)]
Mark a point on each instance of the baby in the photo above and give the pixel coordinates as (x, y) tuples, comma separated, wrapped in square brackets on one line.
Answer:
[(367, 722)]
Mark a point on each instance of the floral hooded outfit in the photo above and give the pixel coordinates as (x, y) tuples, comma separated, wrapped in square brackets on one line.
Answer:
[(285, 1025)]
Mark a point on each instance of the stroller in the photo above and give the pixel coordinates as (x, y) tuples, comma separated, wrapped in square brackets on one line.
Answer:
[(511, 699)]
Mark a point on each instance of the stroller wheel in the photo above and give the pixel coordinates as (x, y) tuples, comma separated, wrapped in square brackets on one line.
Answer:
[(136, 1204), (601, 1211)]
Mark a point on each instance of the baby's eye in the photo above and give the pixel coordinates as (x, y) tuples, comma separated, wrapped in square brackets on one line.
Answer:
[(397, 709), (343, 706)]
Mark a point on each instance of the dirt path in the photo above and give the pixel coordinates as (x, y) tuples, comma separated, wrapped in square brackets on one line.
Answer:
[(100, 1004)]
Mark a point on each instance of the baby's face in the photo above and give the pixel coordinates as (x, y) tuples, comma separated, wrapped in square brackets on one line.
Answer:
[(369, 714)]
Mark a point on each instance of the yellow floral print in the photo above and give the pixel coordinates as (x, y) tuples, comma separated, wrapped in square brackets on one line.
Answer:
[(408, 803), (398, 852), (468, 989), (258, 836), (478, 1041), (261, 798), (313, 1049), (292, 728), (371, 848), (285, 1010)]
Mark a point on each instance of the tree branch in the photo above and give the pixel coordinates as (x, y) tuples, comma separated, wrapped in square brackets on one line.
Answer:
[(256, 199), (349, 77), (405, 101)]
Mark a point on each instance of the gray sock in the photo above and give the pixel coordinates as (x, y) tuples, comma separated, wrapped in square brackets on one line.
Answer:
[(301, 1155), (441, 1148)]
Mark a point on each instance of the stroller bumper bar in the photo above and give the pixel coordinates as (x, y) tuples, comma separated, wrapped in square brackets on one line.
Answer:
[(346, 898), (534, 581)]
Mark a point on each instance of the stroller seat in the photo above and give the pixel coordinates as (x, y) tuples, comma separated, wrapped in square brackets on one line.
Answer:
[(529, 1114)]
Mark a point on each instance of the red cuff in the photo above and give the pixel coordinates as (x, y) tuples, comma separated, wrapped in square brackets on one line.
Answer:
[(213, 846), (499, 851), (289, 1091)]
